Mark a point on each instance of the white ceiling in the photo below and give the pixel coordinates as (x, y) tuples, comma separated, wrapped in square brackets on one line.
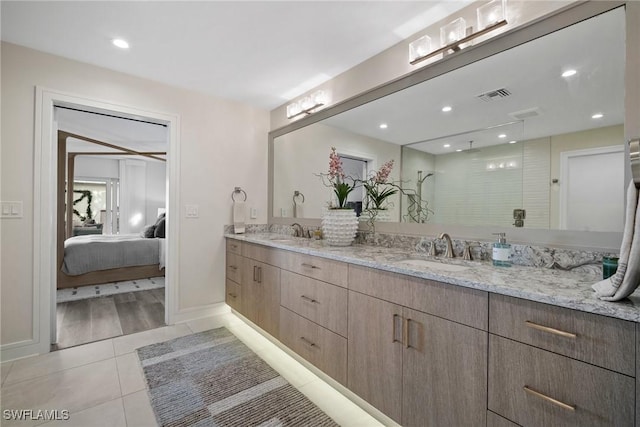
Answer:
[(531, 72), (263, 53)]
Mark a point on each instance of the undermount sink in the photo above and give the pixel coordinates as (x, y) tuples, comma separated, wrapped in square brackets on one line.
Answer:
[(432, 264), (281, 239)]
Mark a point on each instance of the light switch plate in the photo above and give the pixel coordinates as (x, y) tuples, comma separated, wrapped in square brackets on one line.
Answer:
[(191, 211), (12, 209), (254, 213)]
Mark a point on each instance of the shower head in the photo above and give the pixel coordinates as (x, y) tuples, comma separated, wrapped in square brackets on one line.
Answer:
[(471, 150)]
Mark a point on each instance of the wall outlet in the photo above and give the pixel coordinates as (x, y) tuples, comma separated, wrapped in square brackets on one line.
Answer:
[(284, 212), (254, 213)]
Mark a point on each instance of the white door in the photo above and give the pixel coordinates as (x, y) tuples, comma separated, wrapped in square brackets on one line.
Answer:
[(592, 189)]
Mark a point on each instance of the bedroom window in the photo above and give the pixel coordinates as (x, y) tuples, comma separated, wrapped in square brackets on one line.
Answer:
[(95, 206)]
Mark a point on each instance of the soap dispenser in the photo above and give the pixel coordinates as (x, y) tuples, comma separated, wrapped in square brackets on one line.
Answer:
[(501, 251)]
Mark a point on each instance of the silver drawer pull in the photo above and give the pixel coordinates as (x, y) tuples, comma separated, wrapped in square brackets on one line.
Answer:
[(232, 295), (307, 342), (304, 264), (306, 298), (550, 330), (549, 399), (234, 246), (233, 267)]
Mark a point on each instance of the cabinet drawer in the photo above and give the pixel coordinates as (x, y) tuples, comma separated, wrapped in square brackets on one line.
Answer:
[(321, 347), (595, 339), (234, 267), (263, 254), (234, 295), (327, 270), (494, 420), (462, 305), (523, 380), (317, 301), (234, 246)]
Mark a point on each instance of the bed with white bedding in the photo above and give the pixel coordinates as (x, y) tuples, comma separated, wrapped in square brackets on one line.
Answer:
[(95, 259)]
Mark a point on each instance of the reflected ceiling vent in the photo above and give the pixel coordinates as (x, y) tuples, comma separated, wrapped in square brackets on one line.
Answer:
[(494, 94), (525, 114)]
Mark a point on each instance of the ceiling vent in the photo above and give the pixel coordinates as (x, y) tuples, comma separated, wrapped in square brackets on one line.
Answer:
[(494, 94), (525, 114)]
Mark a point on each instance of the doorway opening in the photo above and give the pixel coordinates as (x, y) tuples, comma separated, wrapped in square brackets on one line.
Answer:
[(111, 241)]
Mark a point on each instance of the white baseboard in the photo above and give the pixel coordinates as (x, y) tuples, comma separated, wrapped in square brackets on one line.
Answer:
[(21, 350), (200, 312)]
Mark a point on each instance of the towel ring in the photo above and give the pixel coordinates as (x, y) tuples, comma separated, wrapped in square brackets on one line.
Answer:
[(237, 191), (296, 193), (634, 160)]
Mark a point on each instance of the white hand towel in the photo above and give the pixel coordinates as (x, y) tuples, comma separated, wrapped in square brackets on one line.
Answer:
[(238, 217), (627, 277)]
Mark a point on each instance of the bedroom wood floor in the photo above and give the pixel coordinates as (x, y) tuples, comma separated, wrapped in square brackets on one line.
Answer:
[(95, 319)]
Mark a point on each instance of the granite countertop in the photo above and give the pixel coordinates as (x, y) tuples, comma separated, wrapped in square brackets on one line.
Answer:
[(571, 289)]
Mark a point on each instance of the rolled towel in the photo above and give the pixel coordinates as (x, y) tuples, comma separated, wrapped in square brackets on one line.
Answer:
[(238, 217), (627, 277)]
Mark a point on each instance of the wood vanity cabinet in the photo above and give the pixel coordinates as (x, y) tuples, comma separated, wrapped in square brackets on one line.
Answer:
[(233, 282), (261, 295), (550, 365), (313, 313), (417, 368)]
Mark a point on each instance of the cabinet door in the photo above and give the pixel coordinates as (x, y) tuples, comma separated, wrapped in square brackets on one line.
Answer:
[(444, 372), (268, 305), (251, 289), (374, 361), (261, 295)]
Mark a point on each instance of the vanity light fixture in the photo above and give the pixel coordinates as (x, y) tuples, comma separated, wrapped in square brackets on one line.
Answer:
[(569, 73), (419, 48), (446, 109), (452, 32), (307, 105), (383, 125), (491, 15), (121, 43), (597, 116)]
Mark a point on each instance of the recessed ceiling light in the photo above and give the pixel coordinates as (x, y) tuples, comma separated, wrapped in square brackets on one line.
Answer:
[(383, 126), (502, 135), (569, 73), (446, 108), (597, 116), (512, 142), (447, 145), (459, 150), (122, 44)]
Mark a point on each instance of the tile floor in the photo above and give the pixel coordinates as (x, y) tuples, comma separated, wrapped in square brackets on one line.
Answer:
[(101, 384)]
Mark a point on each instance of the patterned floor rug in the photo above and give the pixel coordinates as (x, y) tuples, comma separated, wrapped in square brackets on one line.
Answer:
[(212, 379), (93, 291)]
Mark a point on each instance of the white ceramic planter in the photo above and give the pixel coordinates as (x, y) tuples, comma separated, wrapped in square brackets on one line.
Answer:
[(339, 226)]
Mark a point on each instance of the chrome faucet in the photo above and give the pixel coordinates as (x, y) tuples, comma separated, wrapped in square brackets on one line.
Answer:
[(298, 230), (449, 253)]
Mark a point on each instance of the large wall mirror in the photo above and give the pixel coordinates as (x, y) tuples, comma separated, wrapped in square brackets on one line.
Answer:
[(533, 138)]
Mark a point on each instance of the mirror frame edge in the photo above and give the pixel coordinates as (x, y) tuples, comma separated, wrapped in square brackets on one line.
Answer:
[(557, 20)]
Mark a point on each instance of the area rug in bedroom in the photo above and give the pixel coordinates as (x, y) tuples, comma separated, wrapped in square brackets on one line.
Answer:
[(212, 379), (93, 291)]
